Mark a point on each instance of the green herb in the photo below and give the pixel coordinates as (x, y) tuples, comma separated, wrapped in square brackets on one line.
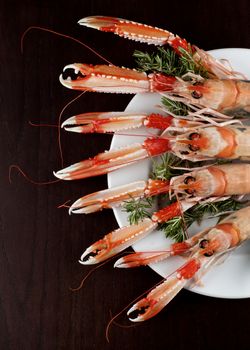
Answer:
[(187, 60), (168, 62), (175, 107), (163, 170), (175, 228), (138, 209), (164, 61)]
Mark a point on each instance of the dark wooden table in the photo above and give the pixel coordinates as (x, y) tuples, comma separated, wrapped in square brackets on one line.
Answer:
[(40, 244)]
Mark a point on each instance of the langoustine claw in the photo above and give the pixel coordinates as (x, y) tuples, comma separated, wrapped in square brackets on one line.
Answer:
[(113, 160), (103, 78), (113, 79), (107, 122), (113, 197), (116, 241), (146, 258), (104, 122), (160, 296), (134, 31)]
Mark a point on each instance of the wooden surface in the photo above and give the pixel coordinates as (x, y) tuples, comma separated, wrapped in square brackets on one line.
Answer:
[(40, 244)]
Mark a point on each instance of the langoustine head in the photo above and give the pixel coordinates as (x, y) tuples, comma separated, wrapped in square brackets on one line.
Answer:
[(208, 143), (207, 181), (217, 94)]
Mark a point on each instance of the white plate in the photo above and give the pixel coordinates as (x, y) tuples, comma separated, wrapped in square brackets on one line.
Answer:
[(230, 279)]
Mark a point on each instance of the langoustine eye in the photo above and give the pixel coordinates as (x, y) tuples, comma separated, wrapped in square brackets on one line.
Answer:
[(203, 245), (196, 94), (193, 137), (189, 180), (197, 91)]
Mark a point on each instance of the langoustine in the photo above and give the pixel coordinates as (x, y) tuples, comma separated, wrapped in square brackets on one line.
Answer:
[(224, 95), (103, 122), (199, 184), (223, 89), (207, 143)]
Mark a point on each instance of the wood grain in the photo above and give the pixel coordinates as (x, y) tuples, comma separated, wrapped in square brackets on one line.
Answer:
[(40, 244)]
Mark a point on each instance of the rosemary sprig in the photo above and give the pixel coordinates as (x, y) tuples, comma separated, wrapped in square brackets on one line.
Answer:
[(138, 209), (175, 228), (187, 60), (163, 170), (175, 107), (164, 61), (168, 62)]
